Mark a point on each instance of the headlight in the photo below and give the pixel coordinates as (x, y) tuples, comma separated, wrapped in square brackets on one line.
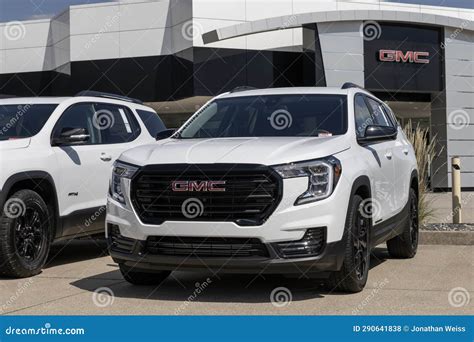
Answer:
[(119, 172), (323, 175)]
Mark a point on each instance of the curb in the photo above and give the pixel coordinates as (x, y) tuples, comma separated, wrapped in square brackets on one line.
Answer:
[(428, 237)]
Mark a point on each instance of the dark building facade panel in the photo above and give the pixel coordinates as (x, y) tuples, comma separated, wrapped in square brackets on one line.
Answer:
[(220, 70), (409, 75), (204, 71)]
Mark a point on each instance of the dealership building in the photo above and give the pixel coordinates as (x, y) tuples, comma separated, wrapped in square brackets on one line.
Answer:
[(176, 54)]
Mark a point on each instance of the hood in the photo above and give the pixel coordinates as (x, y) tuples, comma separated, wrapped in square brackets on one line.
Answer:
[(253, 150), (14, 144)]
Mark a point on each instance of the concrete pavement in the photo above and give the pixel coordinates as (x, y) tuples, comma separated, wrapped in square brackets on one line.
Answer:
[(439, 280)]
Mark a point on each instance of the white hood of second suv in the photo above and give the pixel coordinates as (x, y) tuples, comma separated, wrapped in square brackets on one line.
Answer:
[(253, 150)]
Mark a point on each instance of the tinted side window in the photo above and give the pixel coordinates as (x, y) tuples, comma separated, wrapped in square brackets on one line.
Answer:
[(152, 122), (105, 123), (23, 120), (115, 123), (80, 115), (363, 118), (379, 115)]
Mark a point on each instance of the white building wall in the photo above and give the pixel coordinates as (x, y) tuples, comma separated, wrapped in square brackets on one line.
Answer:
[(128, 29), (94, 32), (342, 47), (211, 14), (59, 42), (459, 53), (34, 45), (24, 45), (2, 50)]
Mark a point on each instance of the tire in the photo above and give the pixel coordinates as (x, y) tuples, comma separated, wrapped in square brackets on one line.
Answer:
[(143, 278), (25, 235), (353, 274), (405, 245)]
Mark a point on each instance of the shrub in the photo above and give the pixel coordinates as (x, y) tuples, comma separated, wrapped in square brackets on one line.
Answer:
[(425, 151)]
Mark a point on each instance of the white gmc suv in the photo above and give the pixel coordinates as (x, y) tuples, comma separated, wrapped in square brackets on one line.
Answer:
[(284, 180), (56, 155)]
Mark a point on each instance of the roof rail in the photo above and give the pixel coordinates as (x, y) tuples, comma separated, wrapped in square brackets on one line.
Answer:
[(6, 96), (242, 88), (348, 85), (94, 93)]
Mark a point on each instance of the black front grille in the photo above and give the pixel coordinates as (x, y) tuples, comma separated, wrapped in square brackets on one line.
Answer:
[(251, 193), (205, 247)]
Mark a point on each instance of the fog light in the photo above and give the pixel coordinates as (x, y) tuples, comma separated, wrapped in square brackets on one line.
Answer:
[(117, 242), (113, 230), (311, 244)]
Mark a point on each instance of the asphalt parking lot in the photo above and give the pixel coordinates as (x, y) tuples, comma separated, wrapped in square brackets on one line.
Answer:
[(439, 280)]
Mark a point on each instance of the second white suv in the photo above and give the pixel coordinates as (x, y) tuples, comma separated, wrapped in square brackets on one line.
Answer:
[(285, 180), (56, 155)]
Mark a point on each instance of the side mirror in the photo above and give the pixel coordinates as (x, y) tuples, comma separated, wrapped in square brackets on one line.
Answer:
[(375, 133), (71, 136), (165, 134)]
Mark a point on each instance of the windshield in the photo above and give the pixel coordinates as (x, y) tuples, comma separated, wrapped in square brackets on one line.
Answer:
[(270, 116), (23, 120)]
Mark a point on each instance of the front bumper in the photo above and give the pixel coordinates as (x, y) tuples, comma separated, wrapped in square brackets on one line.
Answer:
[(330, 259)]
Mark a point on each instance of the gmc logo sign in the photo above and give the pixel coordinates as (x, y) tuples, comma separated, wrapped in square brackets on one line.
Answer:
[(211, 186), (404, 57)]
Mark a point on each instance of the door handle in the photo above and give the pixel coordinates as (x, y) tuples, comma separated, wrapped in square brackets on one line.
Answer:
[(105, 157), (388, 155), (405, 151)]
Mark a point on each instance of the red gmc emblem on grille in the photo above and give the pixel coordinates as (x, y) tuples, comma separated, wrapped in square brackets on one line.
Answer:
[(398, 56), (211, 186)]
